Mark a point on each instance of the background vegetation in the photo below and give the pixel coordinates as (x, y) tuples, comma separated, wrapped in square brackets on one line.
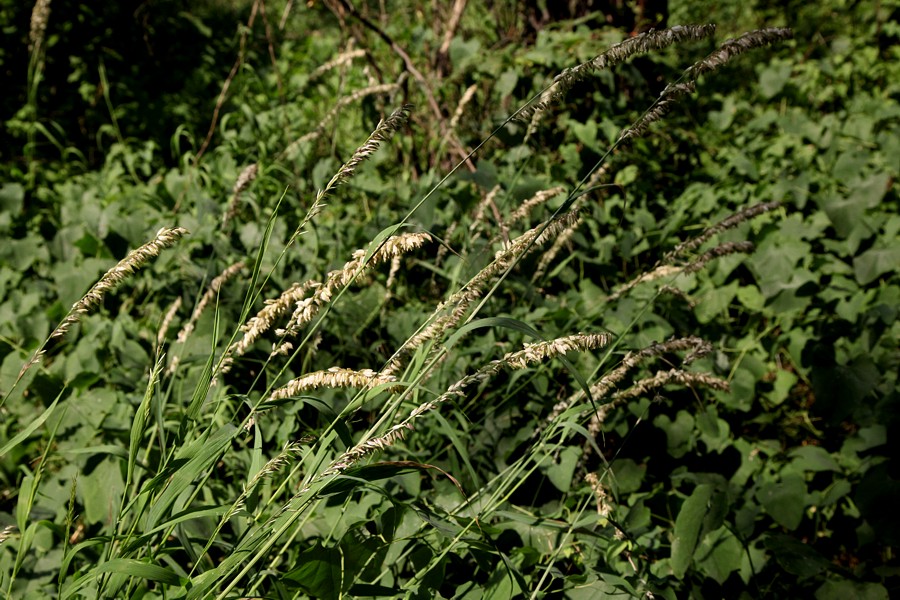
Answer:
[(135, 461)]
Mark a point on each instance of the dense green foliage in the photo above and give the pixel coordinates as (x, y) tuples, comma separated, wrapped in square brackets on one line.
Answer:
[(134, 463)]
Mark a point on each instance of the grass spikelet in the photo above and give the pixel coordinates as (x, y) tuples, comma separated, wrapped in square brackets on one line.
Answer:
[(286, 456), (679, 376), (667, 100), (335, 377), (165, 238), (463, 102), (541, 351), (659, 272), (363, 449), (385, 129), (265, 319), (745, 214), (211, 292), (167, 320), (341, 59), (718, 252), (451, 312), (695, 346), (522, 245), (600, 494), (663, 269), (392, 247), (243, 182), (383, 88), (40, 16), (529, 205), (6, 533), (735, 47), (532, 353), (688, 81), (478, 216), (642, 43)]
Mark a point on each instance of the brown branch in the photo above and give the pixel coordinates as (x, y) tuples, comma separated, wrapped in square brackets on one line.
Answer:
[(442, 60), (417, 75), (234, 69)]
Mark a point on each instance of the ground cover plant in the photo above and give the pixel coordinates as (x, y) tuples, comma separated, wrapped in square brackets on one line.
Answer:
[(518, 304)]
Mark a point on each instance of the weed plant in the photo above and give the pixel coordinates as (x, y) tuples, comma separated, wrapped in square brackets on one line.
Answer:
[(438, 413)]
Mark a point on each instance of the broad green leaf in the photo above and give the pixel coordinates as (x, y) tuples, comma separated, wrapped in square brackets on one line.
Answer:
[(795, 557), (783, 384), (560, 472), (719, 555), (101, 491), (873, 263), (679, 433), (774, 77), (785, 500), (627, 475), (813, 458), (687, 528), (320, 573), (844, 589)]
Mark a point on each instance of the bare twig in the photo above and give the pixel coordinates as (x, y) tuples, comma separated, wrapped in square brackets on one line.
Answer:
[(417, 75), (442, 59), (234, 69)]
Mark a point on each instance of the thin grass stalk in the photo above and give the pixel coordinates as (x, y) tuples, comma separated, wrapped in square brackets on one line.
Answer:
[(293, 509), (288, 453), (40, 17), (309, 489)]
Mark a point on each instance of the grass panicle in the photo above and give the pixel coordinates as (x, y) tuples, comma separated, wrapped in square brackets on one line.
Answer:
[(452, 311), (380, 89), (307, 308), (206, 513), (664, 269), (211, 293), (619, 53), (7, 532), (167, 319), (385, 129), (687, 84), (165, 238), (245, 178), (334, 377), (694, 346), (40, 16)]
